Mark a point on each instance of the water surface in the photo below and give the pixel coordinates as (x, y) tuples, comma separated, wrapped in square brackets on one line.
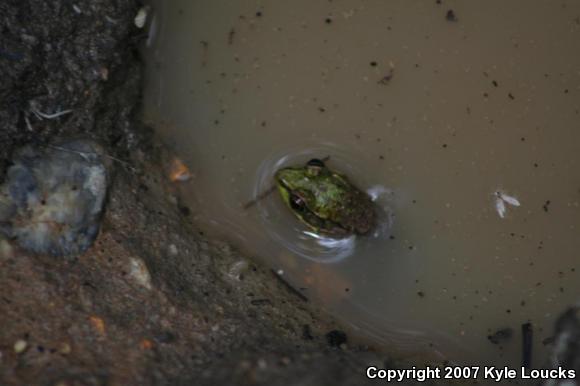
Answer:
[(437, 110)]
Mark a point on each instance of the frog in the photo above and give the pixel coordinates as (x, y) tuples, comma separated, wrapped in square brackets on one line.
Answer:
[(325, 200)]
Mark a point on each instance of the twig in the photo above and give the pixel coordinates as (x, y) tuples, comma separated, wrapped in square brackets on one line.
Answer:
[(265, 194), (83, 154), (28, 125), (86, 154), (289, 287), (39, 114), (527, 334)]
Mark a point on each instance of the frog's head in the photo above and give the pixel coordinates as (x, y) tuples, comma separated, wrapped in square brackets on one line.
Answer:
[(322, 199), (303, 177)]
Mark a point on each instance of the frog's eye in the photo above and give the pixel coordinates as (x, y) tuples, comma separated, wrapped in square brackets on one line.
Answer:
[(296, 202), (315, 162)]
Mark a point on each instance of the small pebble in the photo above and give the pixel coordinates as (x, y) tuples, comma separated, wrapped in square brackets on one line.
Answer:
[(20, 346), (6, 250), (336, 338), (64, 349), (139, 272), (141, 17)]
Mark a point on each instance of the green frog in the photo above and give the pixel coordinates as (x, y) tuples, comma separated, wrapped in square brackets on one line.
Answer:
[(326, 201)]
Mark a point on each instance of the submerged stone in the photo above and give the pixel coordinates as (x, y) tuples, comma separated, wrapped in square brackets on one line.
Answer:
[(52, 198)]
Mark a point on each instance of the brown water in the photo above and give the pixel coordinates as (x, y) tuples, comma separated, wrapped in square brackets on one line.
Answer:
[(436, 114)]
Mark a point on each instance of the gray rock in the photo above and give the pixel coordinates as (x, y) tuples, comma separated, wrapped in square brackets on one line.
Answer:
[(53, 197)]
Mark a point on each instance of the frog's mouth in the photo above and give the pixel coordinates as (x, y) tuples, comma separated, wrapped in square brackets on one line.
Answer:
[(307, 216)]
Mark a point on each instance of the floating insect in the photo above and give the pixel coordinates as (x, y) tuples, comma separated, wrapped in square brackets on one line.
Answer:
[(501, 199)]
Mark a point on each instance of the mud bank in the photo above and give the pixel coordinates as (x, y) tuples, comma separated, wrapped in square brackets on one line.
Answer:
[(153, 302)]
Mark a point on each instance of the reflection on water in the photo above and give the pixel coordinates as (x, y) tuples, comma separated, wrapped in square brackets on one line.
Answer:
[(429, 114)]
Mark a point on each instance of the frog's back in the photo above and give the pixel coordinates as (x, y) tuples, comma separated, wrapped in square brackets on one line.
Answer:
[(341, 202)]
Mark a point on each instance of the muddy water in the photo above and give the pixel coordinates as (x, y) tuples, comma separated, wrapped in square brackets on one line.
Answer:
[(431, 110)]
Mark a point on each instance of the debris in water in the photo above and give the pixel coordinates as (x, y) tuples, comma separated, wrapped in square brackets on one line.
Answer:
[(527, 335), (546, 206), (179, 172), (204, 52), (265, 194), (387, 78), (450, 16), (501, 200), (53, 197), (501, 336), (289, 286)]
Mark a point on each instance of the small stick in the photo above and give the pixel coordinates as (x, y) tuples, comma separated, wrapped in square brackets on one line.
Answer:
[(85, 154), (289, 287), (28, 125), (82, 154), (266, 193), (527, 334), (41, 115)]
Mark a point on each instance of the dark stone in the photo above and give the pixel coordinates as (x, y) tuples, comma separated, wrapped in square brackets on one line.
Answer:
[(335, 338)]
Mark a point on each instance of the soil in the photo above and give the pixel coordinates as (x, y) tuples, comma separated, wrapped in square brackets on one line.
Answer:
[(153, 302)]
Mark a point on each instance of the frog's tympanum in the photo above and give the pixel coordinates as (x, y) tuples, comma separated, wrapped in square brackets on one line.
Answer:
[(325, 200)]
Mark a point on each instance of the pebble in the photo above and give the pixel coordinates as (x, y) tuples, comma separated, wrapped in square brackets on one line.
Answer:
[(139, 272), (141, 17), (237, 269), (20, 346), (64, 348), (6, 250)]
